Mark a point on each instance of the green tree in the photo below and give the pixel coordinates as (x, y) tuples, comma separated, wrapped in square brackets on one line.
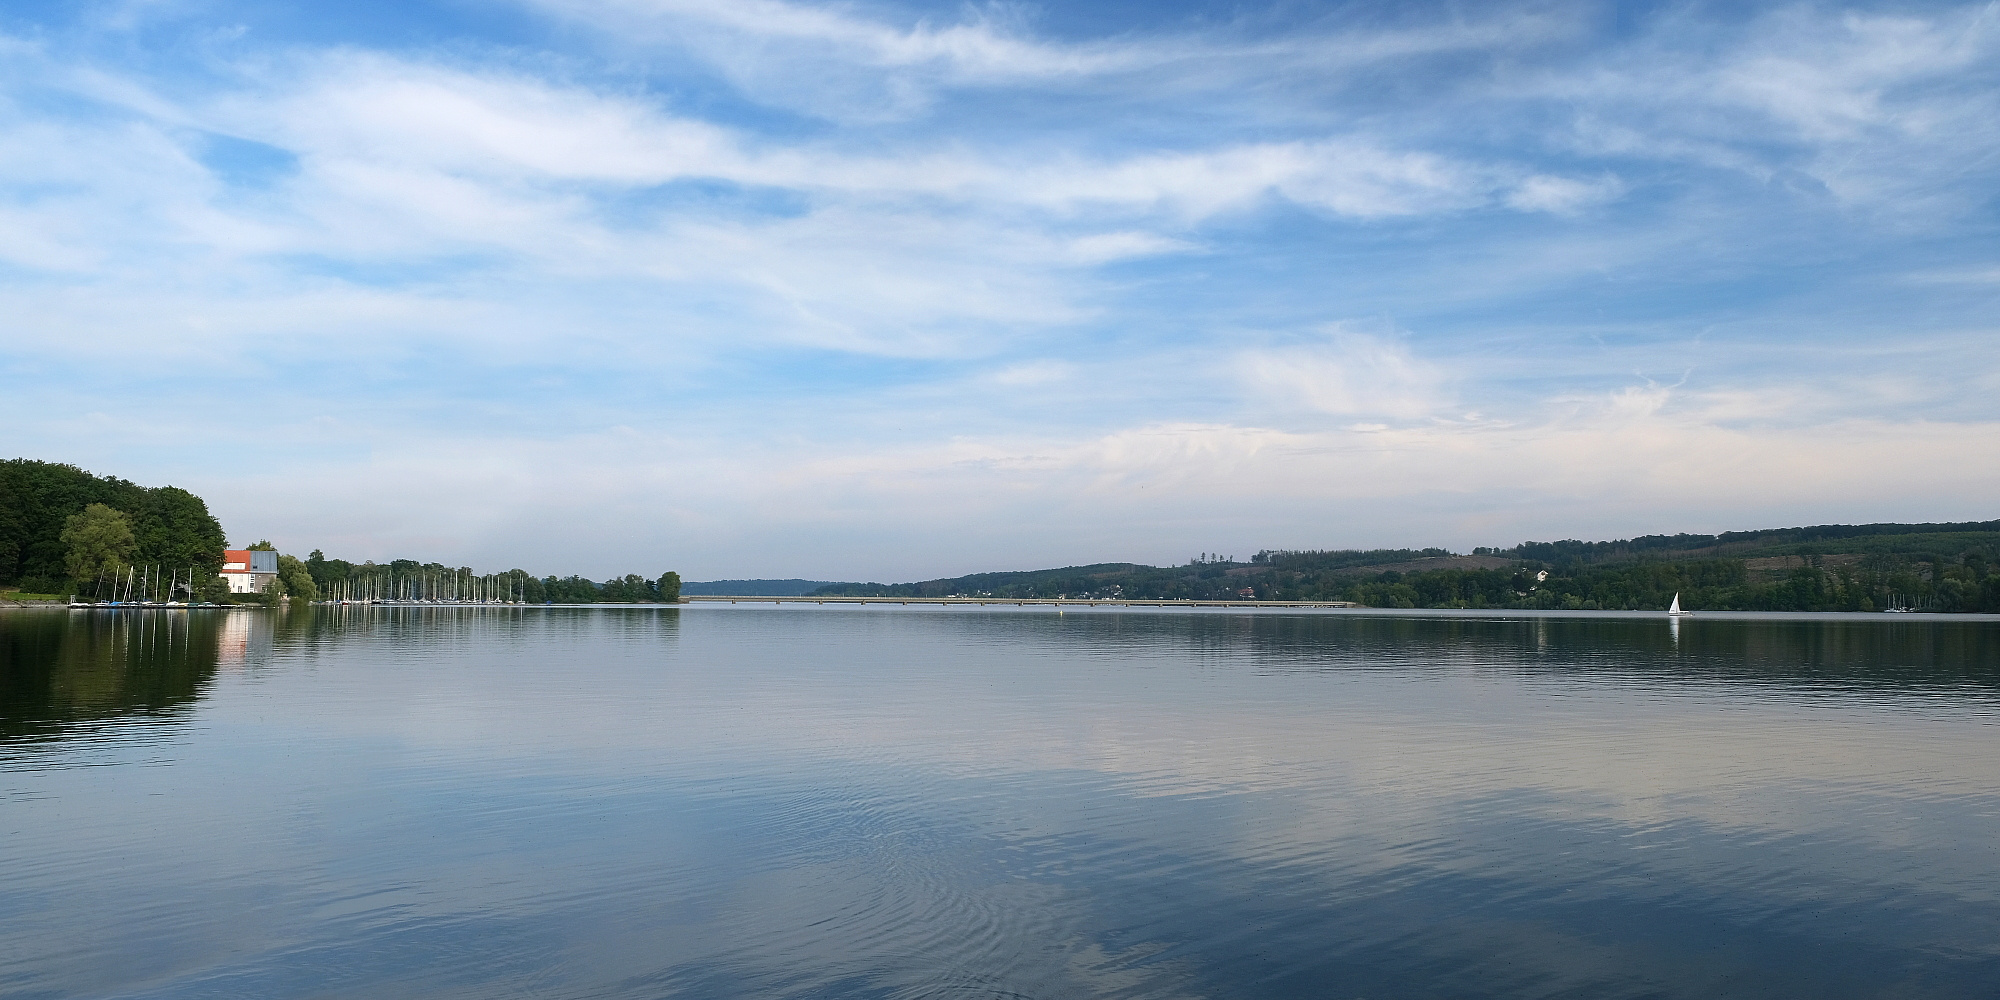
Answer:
[(294, 580), (175, 529), (98, 540), (172, 526), (669, 587), (211, 589), (569, 590)]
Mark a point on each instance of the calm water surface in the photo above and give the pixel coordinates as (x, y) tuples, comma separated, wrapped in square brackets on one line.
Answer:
[(739, 801)]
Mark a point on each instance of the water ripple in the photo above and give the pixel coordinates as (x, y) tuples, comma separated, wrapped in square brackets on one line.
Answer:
[(640, 802)]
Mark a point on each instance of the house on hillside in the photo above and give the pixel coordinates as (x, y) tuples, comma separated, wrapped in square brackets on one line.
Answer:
[(249, 571)]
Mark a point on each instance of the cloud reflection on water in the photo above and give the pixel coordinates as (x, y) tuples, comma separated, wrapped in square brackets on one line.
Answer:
[(728, 801)]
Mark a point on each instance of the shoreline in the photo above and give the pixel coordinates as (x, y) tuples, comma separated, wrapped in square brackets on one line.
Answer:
[(1120, 607), (1052, 606)]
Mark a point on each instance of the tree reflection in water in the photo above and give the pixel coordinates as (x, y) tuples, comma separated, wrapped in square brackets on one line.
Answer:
[(64, 667)]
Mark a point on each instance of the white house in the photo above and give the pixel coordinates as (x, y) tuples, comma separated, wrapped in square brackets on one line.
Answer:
[(249, 571)]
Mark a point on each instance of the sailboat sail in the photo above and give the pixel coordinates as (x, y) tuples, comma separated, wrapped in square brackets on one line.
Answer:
[(1675, 608)]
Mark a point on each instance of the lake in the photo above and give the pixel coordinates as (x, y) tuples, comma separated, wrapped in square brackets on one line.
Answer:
[(735, 801)]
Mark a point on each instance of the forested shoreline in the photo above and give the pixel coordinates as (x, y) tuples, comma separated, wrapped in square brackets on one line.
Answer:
[(399, 578), (65, 531), (1922, 567), (161, 526)]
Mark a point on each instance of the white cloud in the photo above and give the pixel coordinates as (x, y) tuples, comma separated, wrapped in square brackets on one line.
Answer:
[(826, 61), (1103, 248), (395, 117), (1562, 195), (839, 62), (1958, 276), (1626, 460), (1835, 78), (1876, 110), (1035, 373), (505, 177), (980, 49), (1352, 374), (399, 113), (464, 213)]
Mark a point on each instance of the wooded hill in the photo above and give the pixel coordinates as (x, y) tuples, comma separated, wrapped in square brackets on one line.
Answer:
[(171, 528), (761, 588), (1836, 567)]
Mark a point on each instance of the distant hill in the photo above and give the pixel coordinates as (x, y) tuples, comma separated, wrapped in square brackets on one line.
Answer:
[(754, 588), (1949, 538), (1832, 567)]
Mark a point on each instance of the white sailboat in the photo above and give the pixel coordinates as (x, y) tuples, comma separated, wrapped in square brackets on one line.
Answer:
[(1674, 609)]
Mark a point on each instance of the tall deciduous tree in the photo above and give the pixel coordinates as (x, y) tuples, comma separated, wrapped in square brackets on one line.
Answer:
[(172, 526), (296, 580), (97, 540)]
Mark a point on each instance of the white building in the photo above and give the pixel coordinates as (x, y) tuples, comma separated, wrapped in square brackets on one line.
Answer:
[(249, 571)]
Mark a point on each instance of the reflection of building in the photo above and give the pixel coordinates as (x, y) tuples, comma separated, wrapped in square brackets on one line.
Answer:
[(242, 640), (233, 639), (249, 571)]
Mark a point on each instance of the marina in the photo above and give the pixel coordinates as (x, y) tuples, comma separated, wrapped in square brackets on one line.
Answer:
[(156, 606)]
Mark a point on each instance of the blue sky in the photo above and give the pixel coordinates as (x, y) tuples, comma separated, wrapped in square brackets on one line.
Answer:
[(891, 291)]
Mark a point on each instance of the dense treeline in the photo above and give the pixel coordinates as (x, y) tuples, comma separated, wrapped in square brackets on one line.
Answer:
[(761, 588), (1824, 539), (1942, 567), (1202, 579), (1874, 583), (63, 531), (169, 527), (408, 578)]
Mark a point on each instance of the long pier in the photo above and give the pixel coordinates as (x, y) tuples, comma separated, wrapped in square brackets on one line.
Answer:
[(1114, 602)]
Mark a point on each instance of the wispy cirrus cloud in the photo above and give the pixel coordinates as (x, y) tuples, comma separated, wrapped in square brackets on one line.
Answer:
[(1349, 374), (989, 45), (850, 63), (1873, 108), (391, 160)]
